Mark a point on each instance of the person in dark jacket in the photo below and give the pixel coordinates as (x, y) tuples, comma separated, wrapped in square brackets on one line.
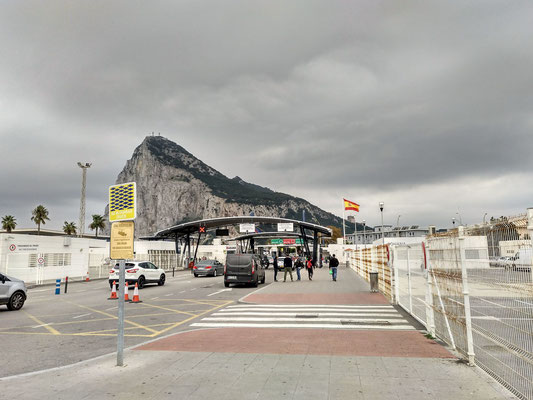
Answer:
[(333, 264), (287, 263), (275, 268)]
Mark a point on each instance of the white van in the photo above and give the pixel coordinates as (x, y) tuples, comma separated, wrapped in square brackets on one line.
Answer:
[(522, 260)]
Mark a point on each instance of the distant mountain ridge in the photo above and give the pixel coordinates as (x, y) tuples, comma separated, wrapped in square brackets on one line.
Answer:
[(173, 186)]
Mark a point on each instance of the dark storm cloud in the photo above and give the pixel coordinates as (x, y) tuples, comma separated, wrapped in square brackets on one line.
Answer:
[(384, 97)]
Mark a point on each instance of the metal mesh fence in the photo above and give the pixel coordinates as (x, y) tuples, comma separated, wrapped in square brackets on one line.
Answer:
[(473, 288), (501, 297)]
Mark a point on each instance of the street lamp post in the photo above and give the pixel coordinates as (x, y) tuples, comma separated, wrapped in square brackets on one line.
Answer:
[(381, 205), (364, 233), (84, 167)]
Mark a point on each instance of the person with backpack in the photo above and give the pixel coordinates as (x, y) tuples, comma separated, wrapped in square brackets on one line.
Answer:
[(333, 264), (309, 267), (298, 264)]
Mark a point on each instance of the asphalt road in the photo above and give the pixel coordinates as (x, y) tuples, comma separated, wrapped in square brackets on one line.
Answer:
[(56, 330)]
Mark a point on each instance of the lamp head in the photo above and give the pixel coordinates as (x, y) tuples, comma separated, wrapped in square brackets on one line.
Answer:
[(381, 204)]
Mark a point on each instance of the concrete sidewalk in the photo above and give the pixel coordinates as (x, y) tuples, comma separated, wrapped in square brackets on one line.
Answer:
[(173, 368)]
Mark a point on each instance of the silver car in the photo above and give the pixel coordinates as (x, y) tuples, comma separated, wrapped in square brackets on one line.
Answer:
[(12, 292)]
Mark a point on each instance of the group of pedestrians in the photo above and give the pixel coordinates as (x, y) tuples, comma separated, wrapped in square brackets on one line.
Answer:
[(298, 264)]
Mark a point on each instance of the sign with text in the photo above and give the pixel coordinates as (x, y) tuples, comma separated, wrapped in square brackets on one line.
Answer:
[(286, 241), (285, 227), (246, 228), (121, 244), (122, 202)]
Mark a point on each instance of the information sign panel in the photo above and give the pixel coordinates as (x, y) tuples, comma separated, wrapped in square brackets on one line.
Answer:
[(122, 205), (285, 227), (246, 228), (121, 244)]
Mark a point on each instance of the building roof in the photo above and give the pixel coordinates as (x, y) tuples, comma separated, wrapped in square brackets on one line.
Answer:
[(212, 223)]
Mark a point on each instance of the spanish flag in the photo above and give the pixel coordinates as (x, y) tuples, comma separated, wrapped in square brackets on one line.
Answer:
[(350, 205)]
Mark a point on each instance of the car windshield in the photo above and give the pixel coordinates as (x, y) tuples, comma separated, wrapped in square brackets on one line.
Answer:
[(205, 262), (128, 265)]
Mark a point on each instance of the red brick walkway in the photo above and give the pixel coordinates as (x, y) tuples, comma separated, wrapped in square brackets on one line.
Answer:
[(303, 341)]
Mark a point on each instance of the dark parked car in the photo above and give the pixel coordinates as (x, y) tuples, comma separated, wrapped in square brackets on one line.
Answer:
[(208, 267), (243, 269)]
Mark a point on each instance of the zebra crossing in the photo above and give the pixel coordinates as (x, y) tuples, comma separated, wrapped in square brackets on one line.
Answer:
[(379, 317)]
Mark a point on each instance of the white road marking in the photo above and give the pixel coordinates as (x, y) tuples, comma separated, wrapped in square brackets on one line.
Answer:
[(38, 326), (487, 317), (524, 302), (399, 321), (183, 291), (154, 298), (307, 306), (308, 309), (193, 289), (82, 315), (220, 291), (491, 302), (170, 294), (314, 326), (288, 314), (112, 308)]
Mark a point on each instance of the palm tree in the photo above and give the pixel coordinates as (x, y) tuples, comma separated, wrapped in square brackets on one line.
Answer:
[(98, 223), (69, 228), (40, 216), (9, 223)]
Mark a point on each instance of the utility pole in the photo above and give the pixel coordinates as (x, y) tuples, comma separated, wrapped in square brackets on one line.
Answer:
[(84, 167)]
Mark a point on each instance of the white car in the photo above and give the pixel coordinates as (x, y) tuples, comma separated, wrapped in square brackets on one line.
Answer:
[(140, 272)]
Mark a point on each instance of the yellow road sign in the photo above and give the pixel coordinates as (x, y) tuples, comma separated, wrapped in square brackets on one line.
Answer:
[(121, 244), (122, 205)]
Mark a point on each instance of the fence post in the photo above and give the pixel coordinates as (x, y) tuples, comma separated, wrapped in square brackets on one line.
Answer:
[(396, 275), (466, 297), (530, 230), (430, 312), (409, 282)]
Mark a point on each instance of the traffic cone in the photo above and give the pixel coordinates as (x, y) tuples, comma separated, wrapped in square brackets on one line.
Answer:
[(87, 277), (136, 294), (126, 296), (113, 292)]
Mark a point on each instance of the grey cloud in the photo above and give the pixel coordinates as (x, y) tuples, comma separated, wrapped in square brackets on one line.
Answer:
[(382, 96)]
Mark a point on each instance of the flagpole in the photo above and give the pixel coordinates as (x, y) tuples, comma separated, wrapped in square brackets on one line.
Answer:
[(343, 226), (355, 232)]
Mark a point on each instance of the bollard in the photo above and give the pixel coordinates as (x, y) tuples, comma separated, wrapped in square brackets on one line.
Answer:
[(374, 282), (58, 286), (66, 284)]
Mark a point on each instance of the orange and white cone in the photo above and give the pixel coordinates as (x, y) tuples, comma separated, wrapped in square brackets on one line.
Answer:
[(113, 292), (126, 296), (136, 294), (87, 277)]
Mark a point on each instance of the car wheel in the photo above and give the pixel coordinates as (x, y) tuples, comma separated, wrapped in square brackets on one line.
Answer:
[(161, 280), (263, 280), (196, 275), (215, 273), (254, 284), (226, 284), (16, 301), (140, 282)]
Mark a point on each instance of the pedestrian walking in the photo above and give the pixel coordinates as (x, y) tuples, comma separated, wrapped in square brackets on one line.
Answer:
[(287, 263), (275, 268), (333, 264), (298, 264), (309, 267)]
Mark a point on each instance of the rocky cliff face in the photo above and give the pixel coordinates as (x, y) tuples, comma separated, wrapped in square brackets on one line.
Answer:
[(173, 186)]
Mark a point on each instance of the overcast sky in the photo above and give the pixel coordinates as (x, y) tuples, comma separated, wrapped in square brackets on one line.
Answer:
[(425, 105)]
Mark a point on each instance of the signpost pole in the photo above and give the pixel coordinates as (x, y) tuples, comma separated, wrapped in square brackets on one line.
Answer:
[(120, 335)]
